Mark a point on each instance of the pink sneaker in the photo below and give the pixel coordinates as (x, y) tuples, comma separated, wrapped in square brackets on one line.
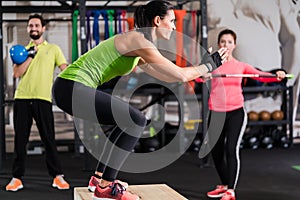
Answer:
[(229, 195), (94, 181), (113, 191), (218, 192)]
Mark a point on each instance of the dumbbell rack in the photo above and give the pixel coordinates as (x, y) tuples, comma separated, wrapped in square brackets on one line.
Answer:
[(286, 107)]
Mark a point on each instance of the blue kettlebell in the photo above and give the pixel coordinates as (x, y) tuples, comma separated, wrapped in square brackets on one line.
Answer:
[(18, 54)]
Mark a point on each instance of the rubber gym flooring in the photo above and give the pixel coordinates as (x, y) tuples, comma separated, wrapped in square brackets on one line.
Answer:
[(265, 174)]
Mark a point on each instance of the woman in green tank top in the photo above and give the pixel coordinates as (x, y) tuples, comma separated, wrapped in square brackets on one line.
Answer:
[(75, 90)]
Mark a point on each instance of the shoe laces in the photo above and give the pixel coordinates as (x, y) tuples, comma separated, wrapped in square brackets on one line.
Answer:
[(230, 192), (94, 180), (12, 181), (222, 187), (228, 195), (61, 179), (117, 188)]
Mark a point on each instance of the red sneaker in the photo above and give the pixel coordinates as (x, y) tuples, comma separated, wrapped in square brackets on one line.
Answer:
[(229, 195), (113, 191), (94, 181), (218, 192)]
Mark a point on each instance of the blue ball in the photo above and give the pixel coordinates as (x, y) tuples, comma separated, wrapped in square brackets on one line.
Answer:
[(18, 54)]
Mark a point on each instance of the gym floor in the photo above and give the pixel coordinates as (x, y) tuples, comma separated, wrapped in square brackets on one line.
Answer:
[(265, 174)]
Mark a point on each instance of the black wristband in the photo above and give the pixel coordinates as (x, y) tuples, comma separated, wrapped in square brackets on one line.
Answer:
[(31, 52), (217, 58), (213, 60)]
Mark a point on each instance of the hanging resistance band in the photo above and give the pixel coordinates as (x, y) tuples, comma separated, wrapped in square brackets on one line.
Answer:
[(119, 22), (106, 29), (74, 36), (179, 14), (96, 29), (110, 15), (193, 35), (130, 21), (197, 35), (124, 12), (116, 21), (88, 30)]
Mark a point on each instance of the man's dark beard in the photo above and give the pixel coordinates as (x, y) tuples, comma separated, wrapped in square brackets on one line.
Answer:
[(35, 37)]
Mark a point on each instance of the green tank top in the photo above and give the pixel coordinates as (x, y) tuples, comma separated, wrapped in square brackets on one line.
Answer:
[(97, 66)]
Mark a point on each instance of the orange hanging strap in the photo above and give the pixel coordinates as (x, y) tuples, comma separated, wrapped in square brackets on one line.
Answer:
[(179, 14), (193, 35), (130, 21)]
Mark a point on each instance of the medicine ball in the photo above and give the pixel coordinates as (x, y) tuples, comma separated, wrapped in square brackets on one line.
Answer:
[(277, 115), (253, 116), (264, 115)]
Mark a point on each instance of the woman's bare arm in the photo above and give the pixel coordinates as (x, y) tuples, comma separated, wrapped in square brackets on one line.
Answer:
[(153, 62)]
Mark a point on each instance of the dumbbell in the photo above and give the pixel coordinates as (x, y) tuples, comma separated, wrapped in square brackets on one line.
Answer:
[(196, 144), (19, 53), (150, 144), (138, 147), (281, 139), (253, 142), (284, 141), (267, 142)]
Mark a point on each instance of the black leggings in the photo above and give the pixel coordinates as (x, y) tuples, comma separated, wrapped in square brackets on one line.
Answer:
[(225, 153), (95, 105)]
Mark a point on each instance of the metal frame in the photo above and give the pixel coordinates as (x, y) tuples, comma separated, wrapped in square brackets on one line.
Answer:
[(2, 119)]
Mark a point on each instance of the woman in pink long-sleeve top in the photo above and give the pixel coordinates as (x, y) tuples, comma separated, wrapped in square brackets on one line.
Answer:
[(227, 117)]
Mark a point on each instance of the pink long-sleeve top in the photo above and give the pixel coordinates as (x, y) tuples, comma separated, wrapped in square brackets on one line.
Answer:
[(226, 93)]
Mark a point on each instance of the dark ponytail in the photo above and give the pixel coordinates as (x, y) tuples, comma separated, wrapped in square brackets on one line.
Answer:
[(144, 14), (140, 19)]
